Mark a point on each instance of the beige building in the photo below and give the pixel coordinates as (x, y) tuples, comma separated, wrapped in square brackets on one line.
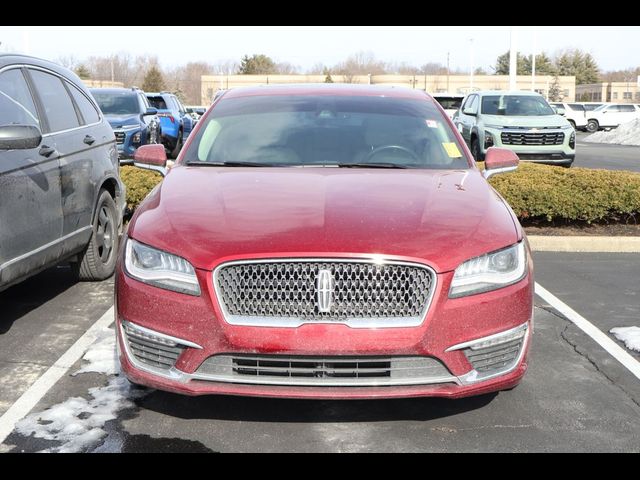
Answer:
[(431, 83), (102, 84), (616, 92)]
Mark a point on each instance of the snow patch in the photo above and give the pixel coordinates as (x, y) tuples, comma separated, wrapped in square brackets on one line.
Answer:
[(626, 134), (629, 335), (77, 422), (102, 356)]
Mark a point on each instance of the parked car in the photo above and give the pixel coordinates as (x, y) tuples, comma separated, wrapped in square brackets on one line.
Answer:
[(132, 118), (195, 112), (386, 267), (61, 198), (520, 121), (575, 113), (175, 121), (450, 102), (611, 115)]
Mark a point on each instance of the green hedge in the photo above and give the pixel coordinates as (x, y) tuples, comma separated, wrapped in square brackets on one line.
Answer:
[(139, 183), (537, 193), (542, 193)]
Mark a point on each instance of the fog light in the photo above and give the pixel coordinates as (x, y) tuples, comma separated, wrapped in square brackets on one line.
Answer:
[(146, 334)]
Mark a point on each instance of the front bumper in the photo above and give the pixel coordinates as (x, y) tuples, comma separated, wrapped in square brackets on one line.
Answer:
[(449, 322), (561, 154), (126, 146)]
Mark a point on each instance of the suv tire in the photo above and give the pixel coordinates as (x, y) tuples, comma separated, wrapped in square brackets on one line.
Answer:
[(593, 126), (98, 260)]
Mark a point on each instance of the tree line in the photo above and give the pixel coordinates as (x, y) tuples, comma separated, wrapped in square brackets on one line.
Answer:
[(146, 72)]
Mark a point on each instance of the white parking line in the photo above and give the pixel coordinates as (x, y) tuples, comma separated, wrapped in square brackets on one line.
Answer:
[(40, 387), (615, 350)]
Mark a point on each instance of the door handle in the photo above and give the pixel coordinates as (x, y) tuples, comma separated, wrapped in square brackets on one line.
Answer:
[(89, 140), (46, 151)]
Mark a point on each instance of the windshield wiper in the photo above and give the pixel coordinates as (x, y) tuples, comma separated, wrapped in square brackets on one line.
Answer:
[(371, 165), (231, 164)]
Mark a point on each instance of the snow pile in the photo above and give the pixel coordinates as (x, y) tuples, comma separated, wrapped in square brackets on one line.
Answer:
[(626, 134), (77, 422), (629, 335), (102, 355)]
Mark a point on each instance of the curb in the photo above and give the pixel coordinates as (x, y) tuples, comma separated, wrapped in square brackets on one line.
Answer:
[(591, 244)]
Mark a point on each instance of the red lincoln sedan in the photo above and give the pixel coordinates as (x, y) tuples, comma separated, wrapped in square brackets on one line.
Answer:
[(325, 241)]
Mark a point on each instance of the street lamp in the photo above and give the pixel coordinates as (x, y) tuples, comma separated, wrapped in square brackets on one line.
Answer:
[(471, 64)]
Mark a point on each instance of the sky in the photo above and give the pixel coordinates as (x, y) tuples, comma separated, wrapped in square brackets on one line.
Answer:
[(614, 48)]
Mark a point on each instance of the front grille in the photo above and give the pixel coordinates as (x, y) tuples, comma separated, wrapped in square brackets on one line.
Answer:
[(120, 136), (323, 371), (287, 291), (537, 138), (144, 349), (495, 358)]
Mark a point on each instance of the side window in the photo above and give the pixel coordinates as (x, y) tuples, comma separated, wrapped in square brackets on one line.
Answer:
[(471, 106), (144, 101), (57, 104), (88, 111), (627, 108), (16, 103), (613, 108)]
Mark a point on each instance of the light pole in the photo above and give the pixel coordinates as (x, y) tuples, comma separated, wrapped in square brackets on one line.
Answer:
[(471, 64), (513, 60), (533, 63)]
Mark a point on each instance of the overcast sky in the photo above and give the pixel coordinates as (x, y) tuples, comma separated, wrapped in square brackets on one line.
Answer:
[(613, 47)]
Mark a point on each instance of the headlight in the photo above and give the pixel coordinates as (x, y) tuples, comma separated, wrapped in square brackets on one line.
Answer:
[(488, 140), (137, 137), (160, 269), (572, 140), (490, 271)]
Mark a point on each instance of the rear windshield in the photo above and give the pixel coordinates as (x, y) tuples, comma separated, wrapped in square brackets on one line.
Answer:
[(283, 130), (449, 103), (158, 103), (515, 105), (117, 103)]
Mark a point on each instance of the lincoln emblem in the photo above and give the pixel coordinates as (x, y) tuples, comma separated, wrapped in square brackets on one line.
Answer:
[(324, 286)]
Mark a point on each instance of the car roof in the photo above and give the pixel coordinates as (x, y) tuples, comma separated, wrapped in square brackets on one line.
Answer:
[(507, 92), (338, 89), (114, 90), (8, 59)]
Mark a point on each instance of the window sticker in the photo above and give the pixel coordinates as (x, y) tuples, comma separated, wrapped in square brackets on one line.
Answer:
[(432, 124), (452, 150)]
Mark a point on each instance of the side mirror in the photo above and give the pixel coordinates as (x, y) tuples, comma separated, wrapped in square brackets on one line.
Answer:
[(499, 160), (151, 111), (470, 112), (151, 157), (560, 111), (19, 137)]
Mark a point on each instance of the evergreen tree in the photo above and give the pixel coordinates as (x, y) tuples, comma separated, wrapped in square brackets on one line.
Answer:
[(257, 65), (83, 72), (153, 80)]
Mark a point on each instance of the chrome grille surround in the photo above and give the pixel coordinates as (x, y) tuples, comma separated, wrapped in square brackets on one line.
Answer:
[(368, 293), (336, 371), (120, 136), (530, 137)]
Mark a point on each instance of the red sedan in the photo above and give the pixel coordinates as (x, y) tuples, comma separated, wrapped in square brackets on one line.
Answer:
[(325, 241)]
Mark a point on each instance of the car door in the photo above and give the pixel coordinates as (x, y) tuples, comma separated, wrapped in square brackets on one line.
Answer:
[(467, 117), (627, 113), (31, 215), (610, 116), (72, 138)]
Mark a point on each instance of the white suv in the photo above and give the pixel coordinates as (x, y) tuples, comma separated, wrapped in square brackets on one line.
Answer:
[(575, 113), (611, 115)]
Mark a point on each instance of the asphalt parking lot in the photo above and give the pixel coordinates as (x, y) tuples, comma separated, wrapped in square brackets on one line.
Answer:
[(575, 397), (602, 155)]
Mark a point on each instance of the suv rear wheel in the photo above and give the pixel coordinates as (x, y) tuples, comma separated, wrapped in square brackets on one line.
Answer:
[(593, 126), (98, 260)]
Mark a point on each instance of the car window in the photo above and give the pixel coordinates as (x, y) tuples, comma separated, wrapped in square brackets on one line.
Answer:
[(145, 102), (471, 105), (627, 108), (327, 131), (449, 103), (16, 103), (116, 103), (158, 102), (576, 106), (57, 103), (88, 111), (515, 105)]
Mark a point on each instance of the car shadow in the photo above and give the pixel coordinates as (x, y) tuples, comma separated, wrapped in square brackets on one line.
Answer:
[(252, 409), (19, 300)]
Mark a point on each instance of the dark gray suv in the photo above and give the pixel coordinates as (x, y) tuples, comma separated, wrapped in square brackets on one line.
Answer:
[(61, 198)]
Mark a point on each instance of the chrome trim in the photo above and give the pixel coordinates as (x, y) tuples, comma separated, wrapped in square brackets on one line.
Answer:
[(471, 343), (487, 174), (148, 331), (293, 322)]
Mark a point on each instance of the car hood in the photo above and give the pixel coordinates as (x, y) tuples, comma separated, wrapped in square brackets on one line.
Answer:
[(117, 121), (209, 215), (525, 121)]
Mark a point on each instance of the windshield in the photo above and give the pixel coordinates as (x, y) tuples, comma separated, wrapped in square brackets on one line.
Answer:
[(515, 105), (449, 103), (283, 130), (117, 103)]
